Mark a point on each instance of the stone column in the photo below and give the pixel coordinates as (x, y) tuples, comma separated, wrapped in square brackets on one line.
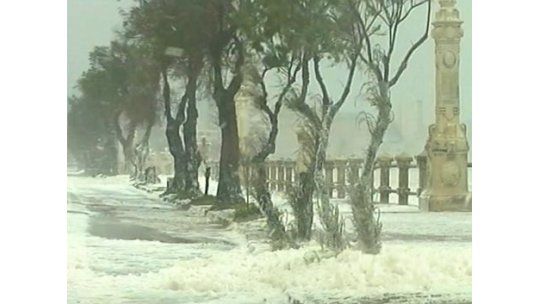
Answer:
[(384, 176), (281, 176), (421, 162), (353, 174), (403, 163), (273, 175), (289, 176), (446, 147), (340, 167)]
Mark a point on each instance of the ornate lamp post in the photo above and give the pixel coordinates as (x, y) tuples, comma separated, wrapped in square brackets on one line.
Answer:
[(447, 147)]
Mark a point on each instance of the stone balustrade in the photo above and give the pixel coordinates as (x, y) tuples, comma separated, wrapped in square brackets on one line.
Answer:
[(341, 173)]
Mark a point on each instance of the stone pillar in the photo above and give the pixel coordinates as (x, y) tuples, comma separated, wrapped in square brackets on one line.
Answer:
[(340, 167), (272, 176), (353, 174), (288, 176), (403, 163), (384, 185), (281, 176), (446, 147), (421, 161)]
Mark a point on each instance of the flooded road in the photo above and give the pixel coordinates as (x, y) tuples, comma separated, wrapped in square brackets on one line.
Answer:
[(128, 246), (117, 232)]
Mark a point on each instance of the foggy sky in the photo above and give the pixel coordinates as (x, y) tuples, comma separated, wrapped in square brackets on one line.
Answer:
[(91, 23)]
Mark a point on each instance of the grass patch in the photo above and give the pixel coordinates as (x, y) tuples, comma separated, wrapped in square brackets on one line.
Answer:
[(245, 213), (242, 211), (204, 200)]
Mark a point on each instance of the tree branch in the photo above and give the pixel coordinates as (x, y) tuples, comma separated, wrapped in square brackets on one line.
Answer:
[(411, 8), (335, 108), (326, 99), (236, 82), (166, 94), (299, 105), (413, 48)]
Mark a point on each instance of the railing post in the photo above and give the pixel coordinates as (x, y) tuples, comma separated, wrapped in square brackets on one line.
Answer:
[(281, 176), (421, 161), (340, 167), (276, 174), (403, 162), (329, 172), (353, 174), (384, 176), (288, 176), (272, 175)]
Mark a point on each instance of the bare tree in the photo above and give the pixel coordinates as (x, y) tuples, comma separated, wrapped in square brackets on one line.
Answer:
[(288, 70), (342, 47), (374, 22)]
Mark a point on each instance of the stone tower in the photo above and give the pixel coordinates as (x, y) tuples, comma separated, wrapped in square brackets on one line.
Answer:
[(447, 147)]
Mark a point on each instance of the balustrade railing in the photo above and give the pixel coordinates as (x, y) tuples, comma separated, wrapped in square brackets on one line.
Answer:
[(392, 175)]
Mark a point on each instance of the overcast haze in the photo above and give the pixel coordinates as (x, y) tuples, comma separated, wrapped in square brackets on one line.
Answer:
[(92, 23)]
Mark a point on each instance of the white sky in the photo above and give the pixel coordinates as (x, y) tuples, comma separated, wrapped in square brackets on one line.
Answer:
[(91, 23)]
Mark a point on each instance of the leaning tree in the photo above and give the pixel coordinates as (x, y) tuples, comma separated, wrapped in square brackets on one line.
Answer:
[(226, 57), (141, 110), (305, 36), (103, 89), (274, 63), (376, 23), (124, 83), (175, 33)]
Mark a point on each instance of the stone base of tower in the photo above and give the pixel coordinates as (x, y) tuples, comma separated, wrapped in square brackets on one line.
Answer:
[(436, 203)]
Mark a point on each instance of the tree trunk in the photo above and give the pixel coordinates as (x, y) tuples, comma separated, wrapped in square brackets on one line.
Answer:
[(172, 133), (177, 151), (301, 198), (277, 233), (110, 157), (303, 205), (367, 225), (381, 125), (206, 180), (229, 189), (141, 153), (312, 182), (193, 158), (126, 142), (329, 216), (129, 152)]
